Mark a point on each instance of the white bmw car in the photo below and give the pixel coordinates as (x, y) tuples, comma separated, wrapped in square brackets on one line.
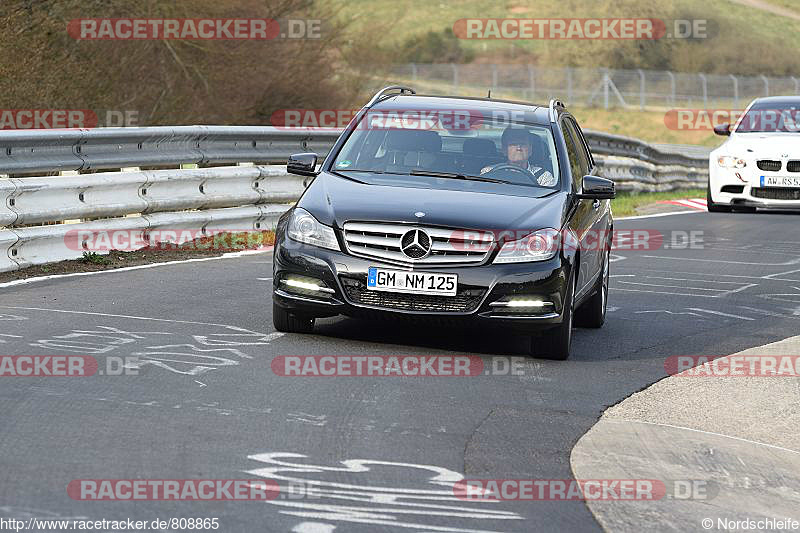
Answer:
[(759, 166)]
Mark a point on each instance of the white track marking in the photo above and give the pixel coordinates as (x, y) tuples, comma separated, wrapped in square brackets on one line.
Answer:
[(722, 292), (787, 263), (665, 292), (764, 312), (705, 432), (720, 313), (672, 286), (637, 217), (313, 527), (667, 312), (769, 277), (230, 255), (120, 316), (775, 276)]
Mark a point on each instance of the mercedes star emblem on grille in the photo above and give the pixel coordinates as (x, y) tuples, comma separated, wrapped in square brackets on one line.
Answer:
[(415, 244)]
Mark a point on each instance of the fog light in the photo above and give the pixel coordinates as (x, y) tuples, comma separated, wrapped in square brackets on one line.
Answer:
[(528, 303), (533, 304), (306, 285)]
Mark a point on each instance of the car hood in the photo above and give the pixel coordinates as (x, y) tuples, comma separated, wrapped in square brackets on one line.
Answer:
[(334, 200), (762, 145)]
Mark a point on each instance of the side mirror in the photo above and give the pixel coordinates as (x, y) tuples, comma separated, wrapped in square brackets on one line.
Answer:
[(302, 164), (722, 129), (597, 188)]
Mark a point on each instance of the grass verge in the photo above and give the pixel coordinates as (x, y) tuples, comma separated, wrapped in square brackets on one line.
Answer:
[(212, 246), (625, 203)]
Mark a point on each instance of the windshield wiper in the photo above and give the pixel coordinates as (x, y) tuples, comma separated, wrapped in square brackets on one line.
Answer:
[(454, 175), (369, 171)]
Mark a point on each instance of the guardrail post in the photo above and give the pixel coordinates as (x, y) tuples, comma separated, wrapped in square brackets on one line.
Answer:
[(796, 85), (414, 72), (494, 76), (606, 82), (455, 77), (735, 91), (766, 85)]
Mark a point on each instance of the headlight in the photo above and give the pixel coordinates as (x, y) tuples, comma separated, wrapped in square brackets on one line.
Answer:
[(303, 227), (728, 161), (538, 246)]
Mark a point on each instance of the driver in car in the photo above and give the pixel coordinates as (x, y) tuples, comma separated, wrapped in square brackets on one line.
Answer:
[(517, 148)]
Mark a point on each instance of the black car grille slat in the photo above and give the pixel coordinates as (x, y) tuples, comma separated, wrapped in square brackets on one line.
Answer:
[(465, 301), (775, 193), (793, 166), (769, 165)]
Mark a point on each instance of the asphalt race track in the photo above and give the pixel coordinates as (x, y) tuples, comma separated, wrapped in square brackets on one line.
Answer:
[(206, 404)]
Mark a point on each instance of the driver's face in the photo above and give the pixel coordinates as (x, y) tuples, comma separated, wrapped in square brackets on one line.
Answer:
[(518, 152)]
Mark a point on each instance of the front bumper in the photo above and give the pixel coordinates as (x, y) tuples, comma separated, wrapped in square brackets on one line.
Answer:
[(742, 187), (478, 288)]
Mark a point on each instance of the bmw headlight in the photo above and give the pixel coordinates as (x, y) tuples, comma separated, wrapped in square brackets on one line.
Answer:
[(303, 227), (537, 246), (728, 161)]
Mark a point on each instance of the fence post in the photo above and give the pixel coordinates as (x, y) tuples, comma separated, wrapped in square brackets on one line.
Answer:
[(569, 85), (455, 77), (796, 85), (606, 82), (735, 91), (494, 76), (642, 98), (672, 87), (532, 82), (414, 72), (705, 89), (766, 85)]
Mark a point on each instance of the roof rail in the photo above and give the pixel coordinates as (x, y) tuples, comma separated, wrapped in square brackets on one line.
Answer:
[(382, 92), (553, 105)]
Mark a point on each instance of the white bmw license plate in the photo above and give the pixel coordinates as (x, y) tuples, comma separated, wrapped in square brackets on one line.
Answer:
[(780, 181), (382, 279)]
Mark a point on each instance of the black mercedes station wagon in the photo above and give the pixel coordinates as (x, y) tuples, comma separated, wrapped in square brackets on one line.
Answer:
[(464, 209)]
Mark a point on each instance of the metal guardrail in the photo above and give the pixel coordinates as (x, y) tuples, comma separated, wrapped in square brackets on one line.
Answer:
[(238, 198), (28, 151), (25, 151)]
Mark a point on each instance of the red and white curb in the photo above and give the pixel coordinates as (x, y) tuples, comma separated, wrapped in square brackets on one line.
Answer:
[(694, 203)]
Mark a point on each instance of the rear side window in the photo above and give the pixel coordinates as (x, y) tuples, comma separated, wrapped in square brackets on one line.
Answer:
[(578, 162)]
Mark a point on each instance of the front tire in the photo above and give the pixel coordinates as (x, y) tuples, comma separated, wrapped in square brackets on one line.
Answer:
[(555, 344), (715, 208), (287, 322), (592, 314)]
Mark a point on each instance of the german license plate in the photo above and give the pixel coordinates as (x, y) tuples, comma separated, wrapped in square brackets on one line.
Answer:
[(780, 181), (383, 279)]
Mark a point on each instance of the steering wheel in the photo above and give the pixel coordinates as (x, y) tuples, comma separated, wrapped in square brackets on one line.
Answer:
[(513, 168)]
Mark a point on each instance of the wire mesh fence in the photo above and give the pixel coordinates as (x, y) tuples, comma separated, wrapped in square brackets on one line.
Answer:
[(595, 87)]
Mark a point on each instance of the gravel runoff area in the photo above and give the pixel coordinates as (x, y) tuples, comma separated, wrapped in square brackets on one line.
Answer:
[(736, 440)]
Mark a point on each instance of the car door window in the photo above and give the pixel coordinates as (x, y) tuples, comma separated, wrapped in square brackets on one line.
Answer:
[(582, 143), (578, 164)]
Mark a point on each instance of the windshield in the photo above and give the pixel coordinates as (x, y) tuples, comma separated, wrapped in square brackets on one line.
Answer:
[(770, 118), (404, 143)]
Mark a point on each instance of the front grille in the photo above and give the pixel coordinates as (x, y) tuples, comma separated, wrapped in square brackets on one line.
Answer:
[(776, 193), (793, 166), (412, 244), (465, 301), (769, 165)]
